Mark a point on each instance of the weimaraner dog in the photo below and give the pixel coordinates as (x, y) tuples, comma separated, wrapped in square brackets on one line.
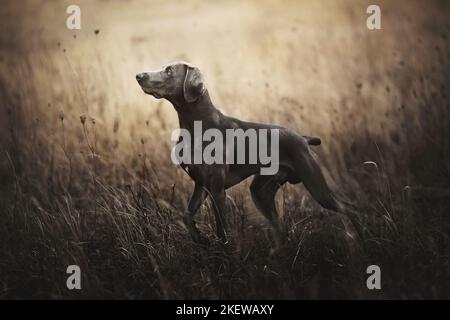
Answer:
[(183, 85)]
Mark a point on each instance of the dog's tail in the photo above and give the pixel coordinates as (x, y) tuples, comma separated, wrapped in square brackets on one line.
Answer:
[(313, 141)]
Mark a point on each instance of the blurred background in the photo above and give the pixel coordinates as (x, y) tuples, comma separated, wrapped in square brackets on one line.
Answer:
[(85, 169)]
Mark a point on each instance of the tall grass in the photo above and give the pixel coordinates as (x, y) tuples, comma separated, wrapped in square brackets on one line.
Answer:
[(85, 169)]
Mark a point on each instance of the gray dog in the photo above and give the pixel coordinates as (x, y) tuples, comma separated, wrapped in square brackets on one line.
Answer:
[(183, 85)]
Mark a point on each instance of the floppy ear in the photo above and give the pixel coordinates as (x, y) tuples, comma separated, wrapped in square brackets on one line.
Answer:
[(194, 85)]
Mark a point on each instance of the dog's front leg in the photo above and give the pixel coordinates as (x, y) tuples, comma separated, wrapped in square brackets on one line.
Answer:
[(216, 189), (218, 200), (196, 200)]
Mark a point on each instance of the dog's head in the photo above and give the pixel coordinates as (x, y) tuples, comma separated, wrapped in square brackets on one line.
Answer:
[(179, 80)]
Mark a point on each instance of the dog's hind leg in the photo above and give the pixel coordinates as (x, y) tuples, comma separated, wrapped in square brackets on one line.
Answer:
[(196, 200), (309, 171), (263, 190)]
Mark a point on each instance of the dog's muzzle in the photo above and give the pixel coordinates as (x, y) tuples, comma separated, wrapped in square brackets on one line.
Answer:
[(141, 77)]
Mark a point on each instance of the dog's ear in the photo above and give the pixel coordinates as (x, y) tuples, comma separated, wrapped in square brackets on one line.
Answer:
[(194, 85)]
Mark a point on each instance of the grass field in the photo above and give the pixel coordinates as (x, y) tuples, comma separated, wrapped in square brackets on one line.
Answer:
[(85, 169)]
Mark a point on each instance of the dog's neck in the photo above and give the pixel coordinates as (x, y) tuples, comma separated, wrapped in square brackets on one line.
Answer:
[(201, 109)]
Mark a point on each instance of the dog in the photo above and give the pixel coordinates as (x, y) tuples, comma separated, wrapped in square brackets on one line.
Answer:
[(183, 85)]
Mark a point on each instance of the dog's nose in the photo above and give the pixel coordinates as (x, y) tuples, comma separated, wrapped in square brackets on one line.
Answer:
[(141, 76)]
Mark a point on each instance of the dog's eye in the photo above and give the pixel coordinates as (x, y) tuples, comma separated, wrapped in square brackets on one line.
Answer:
[(169, 71)]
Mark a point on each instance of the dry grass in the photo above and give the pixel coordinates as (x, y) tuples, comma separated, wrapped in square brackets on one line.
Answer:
[(85, 167)]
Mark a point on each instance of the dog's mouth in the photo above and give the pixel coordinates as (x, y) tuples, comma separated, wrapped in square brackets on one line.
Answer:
[(151, 91)]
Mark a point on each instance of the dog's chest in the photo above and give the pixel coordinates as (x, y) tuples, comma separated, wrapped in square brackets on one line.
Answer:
[(192, 170), (201, 172)]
